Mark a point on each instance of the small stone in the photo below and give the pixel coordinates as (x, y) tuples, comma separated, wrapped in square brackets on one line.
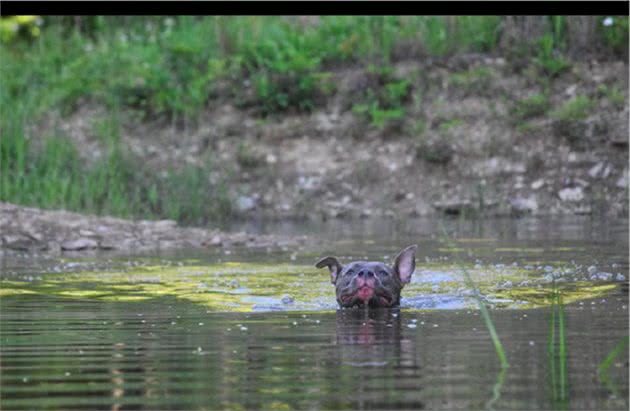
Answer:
[(622, 182), (620, 277), (287, 299), (574, 194), (244, 204), (163, 225), (17, 242), (271, 159), (524, 205), (234, 283), (595, 170), (536, 185), (106, 245), (602, 276), (591, 270), (80, 244), (454, 206), (570, 91), (548, 278)]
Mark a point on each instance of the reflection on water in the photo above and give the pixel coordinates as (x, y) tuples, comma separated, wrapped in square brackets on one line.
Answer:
[(154, 332), (165, 354)]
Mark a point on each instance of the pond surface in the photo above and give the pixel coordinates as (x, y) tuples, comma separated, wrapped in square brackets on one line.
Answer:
[(259, 329)]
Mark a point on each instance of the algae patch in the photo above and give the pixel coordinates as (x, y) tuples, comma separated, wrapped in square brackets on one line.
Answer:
[(239, 286)]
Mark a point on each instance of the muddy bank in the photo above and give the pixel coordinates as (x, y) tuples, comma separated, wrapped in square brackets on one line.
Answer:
[(474, 139), (57, 231)]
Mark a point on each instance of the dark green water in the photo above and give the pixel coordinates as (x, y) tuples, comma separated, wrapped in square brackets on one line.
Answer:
[(61, 349)]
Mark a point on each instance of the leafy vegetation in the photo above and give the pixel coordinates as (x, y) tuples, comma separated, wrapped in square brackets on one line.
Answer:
[(614, 32), (568, 119), (476, 81), (532, 106), (557, 352), (574, 109), (384, 98), (612, 94), (549, 61), (172, 68)]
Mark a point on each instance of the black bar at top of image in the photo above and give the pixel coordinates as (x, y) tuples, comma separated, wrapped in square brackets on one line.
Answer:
[(340, 7)]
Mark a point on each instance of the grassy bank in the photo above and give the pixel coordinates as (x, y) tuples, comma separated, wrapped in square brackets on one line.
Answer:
[(171, 68)]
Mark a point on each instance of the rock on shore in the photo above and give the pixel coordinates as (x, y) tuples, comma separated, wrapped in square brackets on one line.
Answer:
[(33, 229)]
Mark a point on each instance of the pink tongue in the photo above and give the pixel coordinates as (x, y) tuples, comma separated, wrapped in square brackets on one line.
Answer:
[(365, 293)]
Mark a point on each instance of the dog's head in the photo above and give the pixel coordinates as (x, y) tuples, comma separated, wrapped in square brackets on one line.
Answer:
[(370, 283)]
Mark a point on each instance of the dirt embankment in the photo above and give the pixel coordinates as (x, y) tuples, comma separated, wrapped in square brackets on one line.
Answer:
[(472, 140), (32, 229)]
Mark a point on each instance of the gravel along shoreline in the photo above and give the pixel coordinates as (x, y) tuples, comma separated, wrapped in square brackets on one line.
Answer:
[(55, 231)]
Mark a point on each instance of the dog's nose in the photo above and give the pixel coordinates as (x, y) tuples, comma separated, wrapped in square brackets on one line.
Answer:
[(366, 273)]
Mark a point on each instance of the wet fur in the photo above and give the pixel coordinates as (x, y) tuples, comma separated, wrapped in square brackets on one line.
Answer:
[(370, 283)]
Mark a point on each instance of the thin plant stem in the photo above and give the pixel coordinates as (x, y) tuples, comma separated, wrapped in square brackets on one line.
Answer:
[(562, 349), (498, 347)]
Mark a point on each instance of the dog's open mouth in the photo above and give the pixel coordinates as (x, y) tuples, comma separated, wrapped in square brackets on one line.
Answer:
[(366, 295)]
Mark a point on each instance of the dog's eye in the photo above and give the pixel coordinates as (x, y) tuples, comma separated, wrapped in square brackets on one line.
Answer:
[(383, 273), (350, 272)]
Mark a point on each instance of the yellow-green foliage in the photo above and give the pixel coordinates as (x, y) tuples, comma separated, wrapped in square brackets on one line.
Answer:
[(574, 109), (529, 107), (12, 26), (236, 286)]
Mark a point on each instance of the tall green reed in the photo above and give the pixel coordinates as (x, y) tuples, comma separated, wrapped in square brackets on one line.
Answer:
[(557, 352)]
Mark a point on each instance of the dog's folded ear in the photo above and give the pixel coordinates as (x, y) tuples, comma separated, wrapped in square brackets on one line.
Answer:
[(333, 265), (405, 263)]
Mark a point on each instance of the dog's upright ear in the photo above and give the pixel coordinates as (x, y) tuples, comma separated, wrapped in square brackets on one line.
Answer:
[(333, 265), (405, 263)]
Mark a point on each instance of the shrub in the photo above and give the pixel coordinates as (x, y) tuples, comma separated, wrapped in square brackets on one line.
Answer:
[(383, 100), (533, 106), (614, 31), (574, 109), (568, 119), (549, 61), (613, 94)]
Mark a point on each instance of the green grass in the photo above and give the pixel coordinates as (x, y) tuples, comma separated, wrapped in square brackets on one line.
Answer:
[(384, 99), (557, 353), (476, 81), (603, 369), (612, 94), (615, 35), (574, 110), (530, 107), (485, 314), (568, 120), (54, 176), (171, 68), (549, 61), (450, 124)]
